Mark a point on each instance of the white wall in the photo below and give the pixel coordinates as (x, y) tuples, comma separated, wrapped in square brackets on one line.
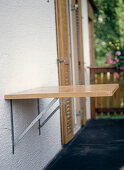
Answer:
[(86, 50), (27, 60)]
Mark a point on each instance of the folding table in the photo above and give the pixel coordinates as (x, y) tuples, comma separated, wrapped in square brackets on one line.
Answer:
[(56, 92)]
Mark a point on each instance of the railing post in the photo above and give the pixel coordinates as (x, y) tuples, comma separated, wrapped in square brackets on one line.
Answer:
[(92, 81)]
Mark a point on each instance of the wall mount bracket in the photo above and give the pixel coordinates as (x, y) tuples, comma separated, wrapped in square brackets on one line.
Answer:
[(15, 141)]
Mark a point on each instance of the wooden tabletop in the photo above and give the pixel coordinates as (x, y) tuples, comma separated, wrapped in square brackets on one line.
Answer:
[(66, 91)]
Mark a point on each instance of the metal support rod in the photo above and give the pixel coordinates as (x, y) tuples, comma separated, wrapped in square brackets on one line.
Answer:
[(38, 108), (35, 120), (60, 105), (12, 125)]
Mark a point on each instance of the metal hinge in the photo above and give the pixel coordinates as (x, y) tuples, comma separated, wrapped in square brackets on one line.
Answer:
[(60, 61)]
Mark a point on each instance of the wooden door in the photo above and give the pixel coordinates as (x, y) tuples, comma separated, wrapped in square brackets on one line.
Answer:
[(64, 66)]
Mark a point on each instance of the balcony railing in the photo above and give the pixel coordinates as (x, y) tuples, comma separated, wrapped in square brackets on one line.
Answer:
[(107, 107)]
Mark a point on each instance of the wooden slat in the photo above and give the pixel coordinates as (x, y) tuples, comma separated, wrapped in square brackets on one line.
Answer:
[(111, 110), (118, 93), (105, 98), (123, 90), (98, 99), (66, 91), (92, 81), (69, 121), (112, 97), (103, 69), (104, 82)]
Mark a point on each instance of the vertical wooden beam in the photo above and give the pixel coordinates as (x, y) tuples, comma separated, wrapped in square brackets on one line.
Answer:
[(112, 97), (91, 33), (105, 99), (82, 59), (118, 92), (123, 89), (98, 82), (92, 81), (92, 54)]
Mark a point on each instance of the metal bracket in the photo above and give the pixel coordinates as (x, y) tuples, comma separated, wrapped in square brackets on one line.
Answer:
[(12, 125), (38, 106), (60, 61), (57, 108), (15, 141)]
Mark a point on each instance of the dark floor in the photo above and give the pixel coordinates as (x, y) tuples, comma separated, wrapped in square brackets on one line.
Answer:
[(98, 146)]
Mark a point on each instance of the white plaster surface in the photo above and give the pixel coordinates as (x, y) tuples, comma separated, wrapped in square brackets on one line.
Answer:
[(27, 60), (86, 50)]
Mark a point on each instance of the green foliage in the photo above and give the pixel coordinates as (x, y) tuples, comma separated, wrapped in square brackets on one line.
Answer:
[(108, 26), (120, 21)]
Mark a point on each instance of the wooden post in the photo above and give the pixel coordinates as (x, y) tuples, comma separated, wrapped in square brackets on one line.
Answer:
[(82, 61), (92, 81)]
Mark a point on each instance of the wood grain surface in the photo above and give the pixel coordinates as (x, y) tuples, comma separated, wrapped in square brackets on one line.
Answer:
[(66, 91)]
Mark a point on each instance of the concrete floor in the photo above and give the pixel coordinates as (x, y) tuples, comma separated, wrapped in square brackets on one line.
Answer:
[(97, 146)]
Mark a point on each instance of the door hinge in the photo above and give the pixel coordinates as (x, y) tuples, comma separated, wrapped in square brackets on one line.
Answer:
[(60, 61)]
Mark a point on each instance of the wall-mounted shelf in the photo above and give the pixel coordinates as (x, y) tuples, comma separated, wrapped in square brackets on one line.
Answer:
[(56, 93)]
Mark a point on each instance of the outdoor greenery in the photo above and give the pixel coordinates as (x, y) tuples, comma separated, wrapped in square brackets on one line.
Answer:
[(108, 27), (115, 55), (109, 41)]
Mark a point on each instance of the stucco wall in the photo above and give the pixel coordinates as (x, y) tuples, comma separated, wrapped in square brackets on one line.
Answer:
[(27, 60), (86, 48)]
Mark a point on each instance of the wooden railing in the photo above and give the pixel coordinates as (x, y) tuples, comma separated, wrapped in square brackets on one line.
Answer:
[(107, 106)]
